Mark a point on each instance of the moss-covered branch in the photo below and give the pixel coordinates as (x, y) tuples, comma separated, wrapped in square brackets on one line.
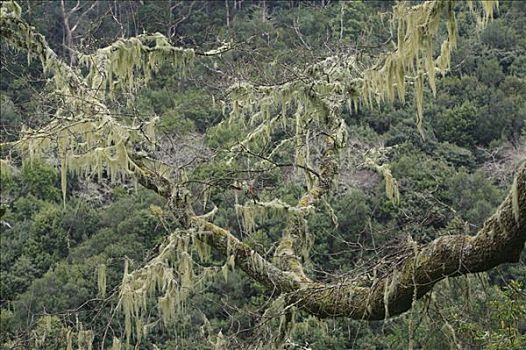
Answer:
[(501, 240)]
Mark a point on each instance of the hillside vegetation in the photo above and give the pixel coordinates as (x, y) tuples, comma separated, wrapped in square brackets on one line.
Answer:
[(68, 239)]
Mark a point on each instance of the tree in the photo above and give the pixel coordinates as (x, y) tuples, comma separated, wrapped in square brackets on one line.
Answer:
[(87, 139)]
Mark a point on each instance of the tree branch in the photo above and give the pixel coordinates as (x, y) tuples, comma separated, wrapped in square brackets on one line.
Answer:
[(501, 240)]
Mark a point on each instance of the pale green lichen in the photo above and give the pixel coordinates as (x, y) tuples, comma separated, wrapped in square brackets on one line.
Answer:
[(515, 200), (85, 339), (372, 159), (83, 134), (101, 280)]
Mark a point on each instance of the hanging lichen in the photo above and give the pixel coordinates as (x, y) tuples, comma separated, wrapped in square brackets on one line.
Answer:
[(515, 200), (88, 141), (416, 29), (228, 266), (83, 135), (391, 186), (316, 98), (85, 339), (170, 277), (69, 340), (116, 344), (276, 326), (203, 249), (101, 280), (372, 159), (6, 169), (248, 214), (389, 289), (125, 59)]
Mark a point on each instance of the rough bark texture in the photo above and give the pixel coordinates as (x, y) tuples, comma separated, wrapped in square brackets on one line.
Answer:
[(501, 240)]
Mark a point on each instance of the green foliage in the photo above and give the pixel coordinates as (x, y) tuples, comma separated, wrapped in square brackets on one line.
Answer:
[(474, 196), (80, 220), (500, 328), (317, 335), (182, 112), (51, 254), (6, 317), (48, 242), (18, 277), (499, 35), (455, 156), (10, 117), (49, 333), (40, 180), (457, 125), (352, 212), (490, 72)]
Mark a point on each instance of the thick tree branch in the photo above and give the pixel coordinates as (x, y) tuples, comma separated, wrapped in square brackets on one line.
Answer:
[(247, 259), (501, 240)]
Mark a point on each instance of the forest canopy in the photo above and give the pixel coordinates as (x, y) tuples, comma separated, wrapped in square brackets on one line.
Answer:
[(249, 174)]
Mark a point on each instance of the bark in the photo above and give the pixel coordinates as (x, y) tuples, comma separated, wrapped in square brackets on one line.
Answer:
[(501, 240), (68, 36), (68, 40)]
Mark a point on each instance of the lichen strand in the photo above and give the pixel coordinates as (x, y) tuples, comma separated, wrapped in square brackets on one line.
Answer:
[(88, 146), (101, 280), (373, 160)]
